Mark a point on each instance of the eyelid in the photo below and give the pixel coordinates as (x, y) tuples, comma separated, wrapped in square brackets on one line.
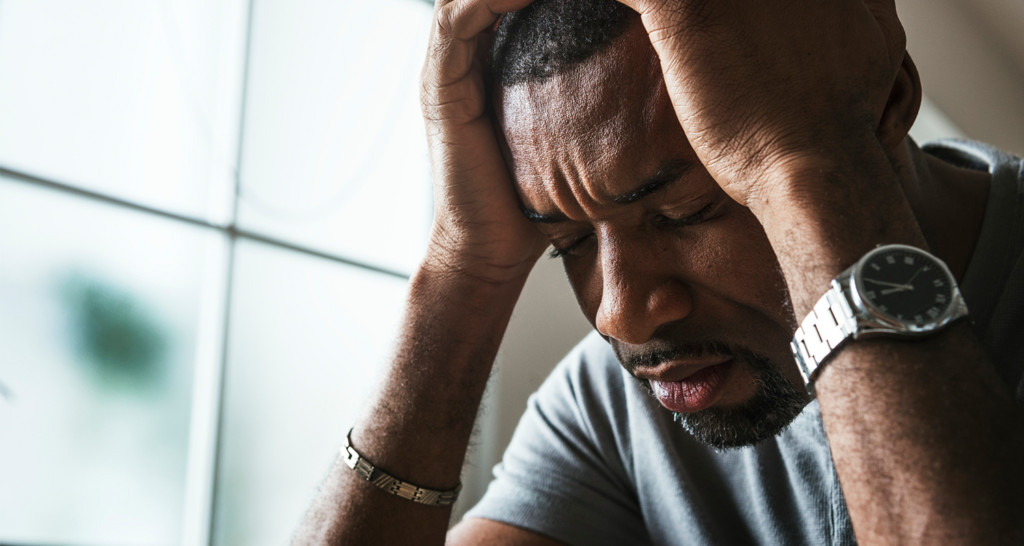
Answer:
[(689, 219), (561, 252)]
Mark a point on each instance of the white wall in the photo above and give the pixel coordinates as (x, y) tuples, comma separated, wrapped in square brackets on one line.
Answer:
[(971, 60)]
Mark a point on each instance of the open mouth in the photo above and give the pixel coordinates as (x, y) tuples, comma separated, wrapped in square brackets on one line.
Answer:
[(696, 391)]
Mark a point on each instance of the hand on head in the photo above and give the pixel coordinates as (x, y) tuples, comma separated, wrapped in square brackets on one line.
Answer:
[(478, 227), (762, 90), (757, 85)]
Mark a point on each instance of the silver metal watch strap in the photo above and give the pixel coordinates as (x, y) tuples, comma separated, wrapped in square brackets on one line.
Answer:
[(393, 485), (827, 326)]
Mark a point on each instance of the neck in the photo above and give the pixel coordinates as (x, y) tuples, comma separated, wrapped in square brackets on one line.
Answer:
[(948, 201)]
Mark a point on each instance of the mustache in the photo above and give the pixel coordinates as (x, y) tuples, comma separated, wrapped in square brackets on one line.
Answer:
[(653, 357)]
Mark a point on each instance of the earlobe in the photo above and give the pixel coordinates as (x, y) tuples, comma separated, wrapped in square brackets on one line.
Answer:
[(903, 105)]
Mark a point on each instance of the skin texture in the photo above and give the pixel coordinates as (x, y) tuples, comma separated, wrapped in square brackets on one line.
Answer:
[(926, 441), (638, 277), (671, 272)]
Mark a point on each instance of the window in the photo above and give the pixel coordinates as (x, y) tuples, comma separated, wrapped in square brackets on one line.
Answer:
[(208, 210)]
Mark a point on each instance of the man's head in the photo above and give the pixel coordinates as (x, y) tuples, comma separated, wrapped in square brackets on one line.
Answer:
[(675, 275)]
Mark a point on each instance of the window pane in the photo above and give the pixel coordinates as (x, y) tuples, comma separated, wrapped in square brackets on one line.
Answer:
[(307, 339), (334, 152), (132, 98), (98, 342)]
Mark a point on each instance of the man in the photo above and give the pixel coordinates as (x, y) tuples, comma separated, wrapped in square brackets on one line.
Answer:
[(705, 170)]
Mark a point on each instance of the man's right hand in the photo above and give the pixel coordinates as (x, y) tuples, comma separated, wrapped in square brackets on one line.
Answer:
[(418, 423), (478, 227)]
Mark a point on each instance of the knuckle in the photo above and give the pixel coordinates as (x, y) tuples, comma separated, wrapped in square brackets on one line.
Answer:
[(444, 18)]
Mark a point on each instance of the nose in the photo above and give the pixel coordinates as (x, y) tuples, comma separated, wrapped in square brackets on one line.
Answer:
[(641, 290)]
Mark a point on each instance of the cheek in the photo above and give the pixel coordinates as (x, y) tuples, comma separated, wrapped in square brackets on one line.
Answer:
[(743, 264), (737, 252), (730, 260), (585, 278)]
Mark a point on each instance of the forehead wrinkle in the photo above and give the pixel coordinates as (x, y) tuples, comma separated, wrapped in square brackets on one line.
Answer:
[(574, 135), (561, 189), (550, 164), (581, 127), (545, 167)]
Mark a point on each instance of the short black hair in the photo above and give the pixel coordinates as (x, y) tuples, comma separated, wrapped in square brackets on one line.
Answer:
[(548, 36)]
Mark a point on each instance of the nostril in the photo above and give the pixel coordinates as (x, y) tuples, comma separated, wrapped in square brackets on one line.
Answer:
[(633, 312), (623, 319)]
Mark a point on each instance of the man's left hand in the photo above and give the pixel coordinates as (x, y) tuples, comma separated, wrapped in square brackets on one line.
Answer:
[(766, 88)]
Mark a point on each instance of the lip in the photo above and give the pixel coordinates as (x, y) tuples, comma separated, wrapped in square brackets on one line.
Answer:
[(680, 369), (688, 389)]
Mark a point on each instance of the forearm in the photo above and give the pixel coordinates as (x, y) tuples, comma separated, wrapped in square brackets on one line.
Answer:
[(925, 439), (926, 442), (417, 427)]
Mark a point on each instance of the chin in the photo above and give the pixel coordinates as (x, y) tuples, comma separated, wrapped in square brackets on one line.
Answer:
[(743, 425), (773, 405)]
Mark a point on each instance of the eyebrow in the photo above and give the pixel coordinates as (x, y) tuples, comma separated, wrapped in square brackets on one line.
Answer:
[(669, 173)]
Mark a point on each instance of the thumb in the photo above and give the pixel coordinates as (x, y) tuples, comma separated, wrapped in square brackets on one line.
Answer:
[(884, 12)]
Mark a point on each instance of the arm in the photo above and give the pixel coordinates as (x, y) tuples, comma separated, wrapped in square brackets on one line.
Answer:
[(418, 425), (925, 437), (799, 109), (481, 250)]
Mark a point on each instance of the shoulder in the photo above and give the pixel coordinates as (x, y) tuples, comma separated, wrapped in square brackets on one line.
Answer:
[(589, 373), (585, 401), (994, 282), (567, 472)]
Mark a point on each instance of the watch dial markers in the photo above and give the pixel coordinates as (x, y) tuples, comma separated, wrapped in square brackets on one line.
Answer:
[(902, 283)]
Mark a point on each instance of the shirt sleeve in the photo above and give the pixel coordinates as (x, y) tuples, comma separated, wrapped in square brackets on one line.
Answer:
[(566, 473)]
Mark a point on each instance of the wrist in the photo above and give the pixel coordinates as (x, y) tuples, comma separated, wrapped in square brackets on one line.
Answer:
[(826, 174), (478, 264), (822, 212), (447, 284)]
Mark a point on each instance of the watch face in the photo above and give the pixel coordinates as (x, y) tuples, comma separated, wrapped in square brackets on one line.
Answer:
[(905, 284)]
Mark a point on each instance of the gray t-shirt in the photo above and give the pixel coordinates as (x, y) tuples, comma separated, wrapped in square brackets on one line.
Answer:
[(596, 460)]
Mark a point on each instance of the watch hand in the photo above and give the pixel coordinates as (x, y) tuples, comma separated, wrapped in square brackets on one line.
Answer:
[(892, 284), (916, 274), (897, 289)]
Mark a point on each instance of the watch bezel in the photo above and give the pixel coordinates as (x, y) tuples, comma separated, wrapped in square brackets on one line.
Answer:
[(874, 321)]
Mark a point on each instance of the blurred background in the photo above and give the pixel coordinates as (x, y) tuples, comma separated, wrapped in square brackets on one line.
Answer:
[(208, 213)]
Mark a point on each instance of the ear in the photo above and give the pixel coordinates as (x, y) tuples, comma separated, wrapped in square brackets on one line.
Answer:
[(903, 105)]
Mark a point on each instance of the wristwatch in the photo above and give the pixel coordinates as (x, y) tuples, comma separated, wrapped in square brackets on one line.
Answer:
[(894, 290)]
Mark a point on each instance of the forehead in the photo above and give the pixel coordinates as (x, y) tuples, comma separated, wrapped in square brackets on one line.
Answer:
[(591, 132)]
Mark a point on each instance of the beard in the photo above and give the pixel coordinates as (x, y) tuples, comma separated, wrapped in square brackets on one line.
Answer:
[(774, 405)]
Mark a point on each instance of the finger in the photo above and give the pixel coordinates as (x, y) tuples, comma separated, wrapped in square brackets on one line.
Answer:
[(464, 19), (457, 24), (881, 6), (884, 12)]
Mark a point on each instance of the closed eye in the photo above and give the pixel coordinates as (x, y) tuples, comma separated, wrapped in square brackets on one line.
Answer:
[(561, 252), (663, 220), (688, 220)]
